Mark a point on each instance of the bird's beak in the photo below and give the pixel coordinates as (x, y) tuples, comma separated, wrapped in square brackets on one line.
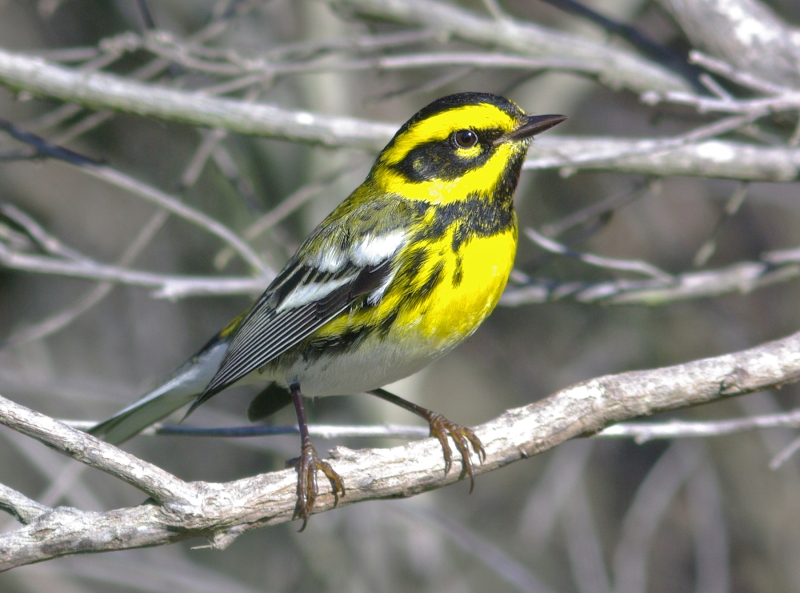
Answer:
[(530, 126)]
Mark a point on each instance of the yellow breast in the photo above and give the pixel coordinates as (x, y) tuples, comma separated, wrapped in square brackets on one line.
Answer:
[(442, 289), (472, 281)]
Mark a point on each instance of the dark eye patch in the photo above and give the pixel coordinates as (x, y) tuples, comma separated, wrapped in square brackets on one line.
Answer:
[(438, 159)]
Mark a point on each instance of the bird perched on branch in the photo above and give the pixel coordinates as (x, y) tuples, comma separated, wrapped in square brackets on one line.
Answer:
[(402, 271)]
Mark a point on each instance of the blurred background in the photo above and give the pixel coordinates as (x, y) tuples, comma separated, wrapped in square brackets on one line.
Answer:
[(593, 515)]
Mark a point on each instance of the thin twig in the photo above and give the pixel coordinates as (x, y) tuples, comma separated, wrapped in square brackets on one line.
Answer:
[(167, 286), (43, 239), (746, 79), (62, 319), (609, 263), (288, 205), (516, 574), (44, 148), (641, 432), (180, 209), (674, 429), (617, 67), (742, 277), (785, 455), (732, 206), (647, 510), (601, 208), (324, 431)]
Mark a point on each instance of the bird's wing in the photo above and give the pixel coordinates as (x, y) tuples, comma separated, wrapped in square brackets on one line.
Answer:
[(309, 292)]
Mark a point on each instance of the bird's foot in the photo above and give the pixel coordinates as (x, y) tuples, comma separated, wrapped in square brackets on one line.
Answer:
[(307, 490), (462, 436)]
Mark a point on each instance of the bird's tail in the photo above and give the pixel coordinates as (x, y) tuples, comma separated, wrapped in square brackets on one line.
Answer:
[(185, 384)]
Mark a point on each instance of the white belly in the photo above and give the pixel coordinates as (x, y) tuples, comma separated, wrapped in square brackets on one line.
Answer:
[(374, 364)]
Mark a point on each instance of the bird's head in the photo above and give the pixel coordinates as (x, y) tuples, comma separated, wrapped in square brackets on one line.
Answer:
[(459, 146)]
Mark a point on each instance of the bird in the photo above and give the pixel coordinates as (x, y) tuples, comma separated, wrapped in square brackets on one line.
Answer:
[(402, 271)]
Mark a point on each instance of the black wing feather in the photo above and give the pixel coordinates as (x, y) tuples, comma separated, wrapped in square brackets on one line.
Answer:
[(266, 332)]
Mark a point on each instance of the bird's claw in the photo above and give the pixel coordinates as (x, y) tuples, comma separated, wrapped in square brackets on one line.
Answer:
[(441, 428), (307, 466)]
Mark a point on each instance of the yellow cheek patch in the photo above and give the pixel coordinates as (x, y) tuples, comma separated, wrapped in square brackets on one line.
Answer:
[(440, 126)]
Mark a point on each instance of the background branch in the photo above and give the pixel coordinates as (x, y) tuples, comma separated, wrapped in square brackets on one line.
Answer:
[(646, 156), (616, 68)]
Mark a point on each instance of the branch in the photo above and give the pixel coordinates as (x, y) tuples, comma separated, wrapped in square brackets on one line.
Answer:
[(616, 67), (742, 278), (61, 319), (45, 149), (745, 33), (609, 263), (167, 286), (674, 429), (288, 205), (100, 90), (155, 482), (221, 512), (20, 506), (666, 156), (646, 156)]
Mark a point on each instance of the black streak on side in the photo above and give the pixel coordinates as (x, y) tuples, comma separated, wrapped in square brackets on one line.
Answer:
[(330, 345), (458, 273)]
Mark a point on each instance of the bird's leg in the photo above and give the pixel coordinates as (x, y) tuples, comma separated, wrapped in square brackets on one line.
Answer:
[(308, 464), (441, 427)]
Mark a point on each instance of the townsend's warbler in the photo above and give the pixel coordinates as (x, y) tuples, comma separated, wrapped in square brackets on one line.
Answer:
[(395, 277)]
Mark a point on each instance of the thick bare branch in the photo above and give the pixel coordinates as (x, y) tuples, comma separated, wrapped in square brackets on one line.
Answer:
[(711, 158), (223, 511), (745, 33), (100, 90), (85, 448)]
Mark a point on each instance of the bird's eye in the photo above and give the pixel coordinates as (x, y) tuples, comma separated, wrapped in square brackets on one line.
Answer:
[(465, 138)]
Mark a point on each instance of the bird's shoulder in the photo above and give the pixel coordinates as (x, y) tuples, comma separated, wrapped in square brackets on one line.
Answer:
[(355, 241)]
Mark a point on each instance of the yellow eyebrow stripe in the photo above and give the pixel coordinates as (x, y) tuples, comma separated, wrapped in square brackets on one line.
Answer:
[(441, 125)]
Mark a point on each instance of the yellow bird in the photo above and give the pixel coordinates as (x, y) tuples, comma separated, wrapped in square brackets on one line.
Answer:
[(401, 272)]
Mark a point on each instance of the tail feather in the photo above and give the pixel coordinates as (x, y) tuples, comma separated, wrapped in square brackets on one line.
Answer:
[(185, 385)]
